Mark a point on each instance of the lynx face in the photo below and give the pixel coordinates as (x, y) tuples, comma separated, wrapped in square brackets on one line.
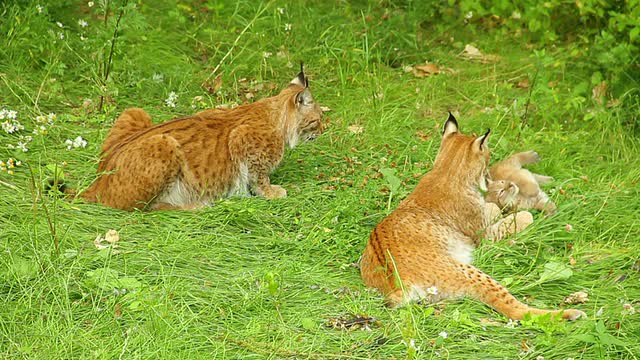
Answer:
[(502, 193), (305, 122)]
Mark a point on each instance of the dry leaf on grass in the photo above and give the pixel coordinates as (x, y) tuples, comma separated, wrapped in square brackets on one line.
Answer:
[(325, 108), (473, 53), (426, 69), (213, 87), (579, 297), (350, 322), (523, 84), (355, 129), (109, 240)]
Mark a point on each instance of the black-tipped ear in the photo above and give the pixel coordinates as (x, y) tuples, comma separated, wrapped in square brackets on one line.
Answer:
[(301, 79), (451, 126), (483, 139)]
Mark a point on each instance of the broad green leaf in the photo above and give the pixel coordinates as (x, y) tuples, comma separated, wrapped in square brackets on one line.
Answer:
[(555, 271), (393, 181)]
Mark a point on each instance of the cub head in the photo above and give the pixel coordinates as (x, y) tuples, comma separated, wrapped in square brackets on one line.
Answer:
[(303, 114), (463, 158), (502, 193)]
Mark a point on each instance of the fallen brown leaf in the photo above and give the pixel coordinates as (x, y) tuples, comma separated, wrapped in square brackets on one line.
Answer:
[(523, 84), (425, 70), (355, 129), (213, 87), (473, 53)]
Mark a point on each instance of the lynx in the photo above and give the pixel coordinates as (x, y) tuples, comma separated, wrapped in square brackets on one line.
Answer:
[(189, 162), (423, 249), (512, 187)]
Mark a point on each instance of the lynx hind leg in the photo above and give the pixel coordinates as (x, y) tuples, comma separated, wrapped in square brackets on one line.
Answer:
[(509, 225), (474, 283), (129, 122), (139, 174), (545, 205), (526, 157), (542, 179)]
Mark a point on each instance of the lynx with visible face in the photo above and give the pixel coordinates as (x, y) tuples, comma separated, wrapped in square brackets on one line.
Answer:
[(187, 163)]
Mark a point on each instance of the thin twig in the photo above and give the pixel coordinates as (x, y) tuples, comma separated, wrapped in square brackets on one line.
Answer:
[(526, 105), (107, 64)]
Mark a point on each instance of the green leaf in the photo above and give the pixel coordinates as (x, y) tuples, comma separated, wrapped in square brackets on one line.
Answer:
[(588, 338), (308, 324), (555, 271), (608, 339), (393, 181)]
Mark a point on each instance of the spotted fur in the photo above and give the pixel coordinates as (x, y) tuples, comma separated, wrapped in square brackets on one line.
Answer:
[(427, 242), (189, 162)]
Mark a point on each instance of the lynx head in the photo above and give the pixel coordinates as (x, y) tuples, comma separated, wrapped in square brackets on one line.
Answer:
[(303, 114), (464, 158), (502, 193)]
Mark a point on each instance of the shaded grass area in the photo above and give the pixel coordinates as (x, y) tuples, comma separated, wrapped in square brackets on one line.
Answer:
[(251, 278)]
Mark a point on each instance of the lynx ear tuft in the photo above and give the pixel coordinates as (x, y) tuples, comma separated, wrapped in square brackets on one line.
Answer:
[(483, 140), (451, 126), (301, 79)]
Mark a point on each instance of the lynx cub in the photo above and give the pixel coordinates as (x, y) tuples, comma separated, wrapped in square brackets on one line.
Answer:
[(423, 249), (188, 162), (512, 187)]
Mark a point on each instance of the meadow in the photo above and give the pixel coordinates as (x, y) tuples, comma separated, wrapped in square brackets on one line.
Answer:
[(254, 278)]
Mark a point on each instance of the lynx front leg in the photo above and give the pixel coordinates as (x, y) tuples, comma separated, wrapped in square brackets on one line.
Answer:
[(138, 174)]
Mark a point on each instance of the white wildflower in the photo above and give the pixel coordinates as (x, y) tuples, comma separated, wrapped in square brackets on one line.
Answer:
[(432, 290), (629, 309), (61, 35), (76, 143), (83, 38), (469, 15), (83, 23), (171, 100), (90, 4), (60, 25), (39, 8), (158, 77), (280, 10), (287, 27), (266, 54), (12, 126), (443, 334)]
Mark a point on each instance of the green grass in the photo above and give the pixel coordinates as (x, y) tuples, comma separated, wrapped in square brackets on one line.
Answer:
[(251, 278)]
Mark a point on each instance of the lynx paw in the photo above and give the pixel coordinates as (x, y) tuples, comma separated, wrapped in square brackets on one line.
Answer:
[(572, 314), (275, 191), (523, 220), (532, 157)]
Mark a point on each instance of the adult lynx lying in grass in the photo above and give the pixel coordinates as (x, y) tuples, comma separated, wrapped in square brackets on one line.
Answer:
[(423, 250), (186, 163), (514, 188)]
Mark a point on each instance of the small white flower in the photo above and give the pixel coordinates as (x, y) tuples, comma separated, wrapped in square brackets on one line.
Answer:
[(12, 126), (280, 10), (79, 142), (287, 27), (69, 144), (469, 15), (39, 8), (158, 77), (61, 35), (83, 38), (60, 25), (266, 54), (90, 4), (171, 100), (629, 309), (12, 114), (432, 290), (83, 23), (443, 334)]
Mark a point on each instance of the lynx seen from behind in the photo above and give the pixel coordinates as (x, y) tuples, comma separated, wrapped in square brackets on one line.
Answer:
[(423, 249), (186, 163)]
